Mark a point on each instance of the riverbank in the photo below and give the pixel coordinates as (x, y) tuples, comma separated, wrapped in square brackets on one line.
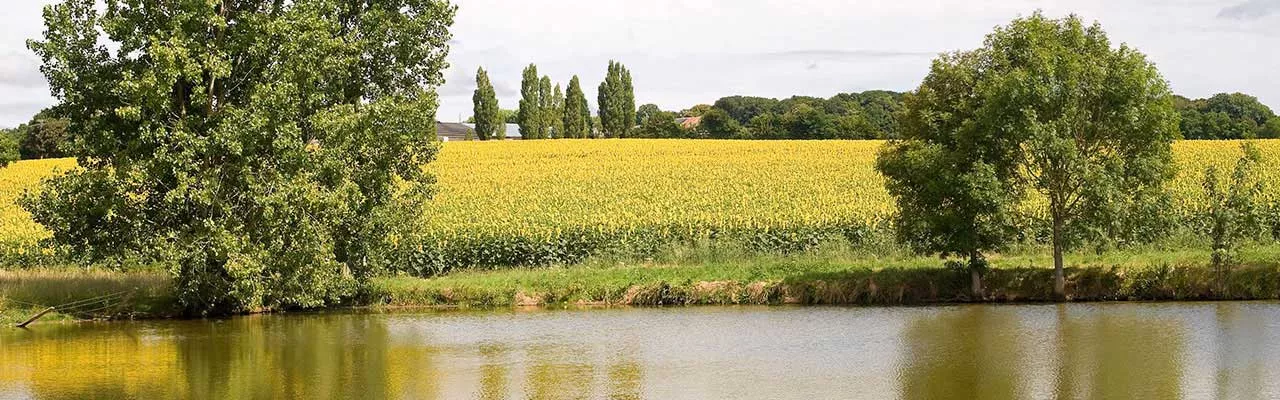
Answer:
[(701, 280), (709, 277)]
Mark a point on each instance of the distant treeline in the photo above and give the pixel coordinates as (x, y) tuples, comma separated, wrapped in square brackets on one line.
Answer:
[(1226, 116)]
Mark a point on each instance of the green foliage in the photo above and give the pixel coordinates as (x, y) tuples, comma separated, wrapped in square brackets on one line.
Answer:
[(545, 108), (662, 125), (530, 113), (487, 114), (1046, 105), (577, 116), (43, 137), (1235, 210), (1226, 116), (254, 147), (718, 124), (617, 102), (868, 115), (696, 111), (555, 113), (647, 111), (8, 147)]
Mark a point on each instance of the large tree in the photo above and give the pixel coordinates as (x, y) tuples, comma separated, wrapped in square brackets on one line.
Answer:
[(256, 147), (530, 112), (617, 102), (487, 118), (576, 116), (1046, 106)]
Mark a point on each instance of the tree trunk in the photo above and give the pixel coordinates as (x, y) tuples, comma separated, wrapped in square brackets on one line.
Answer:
[(1059, 276), (975, 280)]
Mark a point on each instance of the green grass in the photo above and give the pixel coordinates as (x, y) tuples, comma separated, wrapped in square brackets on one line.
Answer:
[(704, 274), (130, 294), (713, 276)]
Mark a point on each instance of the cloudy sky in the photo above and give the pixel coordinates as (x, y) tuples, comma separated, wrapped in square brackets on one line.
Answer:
[(684, 52)]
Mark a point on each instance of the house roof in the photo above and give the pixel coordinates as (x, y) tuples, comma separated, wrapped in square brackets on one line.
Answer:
[(448, 131), (689, 122), (513, 130)]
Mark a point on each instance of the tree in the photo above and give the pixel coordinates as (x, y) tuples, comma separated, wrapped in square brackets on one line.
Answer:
[(661, 125), (555, 113), (262, 150), (544, 108), (1225, 116), (696, 111), (718, 124), (43, 137), (617, 102), (1234, 211), (8, 147), (1271, 130), (744, 108), (576, 116), (645, 112), (530, 117), (950, 200), (1046, 106), (487, 119)]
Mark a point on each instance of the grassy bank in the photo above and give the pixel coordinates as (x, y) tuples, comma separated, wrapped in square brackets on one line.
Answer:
[(84, 294), (693, 276), (700, 278)]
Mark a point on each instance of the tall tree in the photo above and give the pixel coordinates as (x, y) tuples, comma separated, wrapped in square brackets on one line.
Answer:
[(617, 102), (544, 107), (1048, 106), (257, 148), (487, 119), (530, 112), (576, 116), (555, 112)]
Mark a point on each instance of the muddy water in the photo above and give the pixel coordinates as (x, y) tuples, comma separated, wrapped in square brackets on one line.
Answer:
[(1104, 351)]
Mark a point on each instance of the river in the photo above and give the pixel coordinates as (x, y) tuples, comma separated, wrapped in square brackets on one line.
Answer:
[(1101, 351)]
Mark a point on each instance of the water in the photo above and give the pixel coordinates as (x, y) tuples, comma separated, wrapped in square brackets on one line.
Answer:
[(1156, 351)]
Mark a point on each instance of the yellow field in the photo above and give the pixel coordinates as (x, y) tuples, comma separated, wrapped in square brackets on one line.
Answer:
[(515, 197)]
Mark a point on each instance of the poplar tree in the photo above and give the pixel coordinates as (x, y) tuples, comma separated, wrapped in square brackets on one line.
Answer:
[(488, 120), (617, 102), (576, 116), (555, 112), (544, 107), (530, 116)]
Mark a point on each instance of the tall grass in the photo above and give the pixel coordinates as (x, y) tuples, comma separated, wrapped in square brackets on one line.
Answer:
[(90, 293)]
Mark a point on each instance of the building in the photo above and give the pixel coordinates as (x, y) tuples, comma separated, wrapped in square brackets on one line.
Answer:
[(689, 122), (455, 132)]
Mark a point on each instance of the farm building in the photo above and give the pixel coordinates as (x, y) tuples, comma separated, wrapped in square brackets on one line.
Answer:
[(453, 132)]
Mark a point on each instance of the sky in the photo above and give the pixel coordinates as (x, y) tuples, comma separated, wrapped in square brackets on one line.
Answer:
[(686, 52)]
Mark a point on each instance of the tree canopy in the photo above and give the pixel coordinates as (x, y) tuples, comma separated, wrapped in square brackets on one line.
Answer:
[(576, 117), (1046, 105), (253, 146), (1227, 116), (617, 102)]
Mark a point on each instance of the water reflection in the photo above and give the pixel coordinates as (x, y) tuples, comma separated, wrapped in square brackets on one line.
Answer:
[(1222, 350)]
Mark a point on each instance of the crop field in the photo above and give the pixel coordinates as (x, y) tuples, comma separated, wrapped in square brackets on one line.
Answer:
[(529, 202)]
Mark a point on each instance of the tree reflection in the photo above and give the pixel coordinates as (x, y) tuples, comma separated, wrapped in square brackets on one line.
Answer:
[(961, 353)]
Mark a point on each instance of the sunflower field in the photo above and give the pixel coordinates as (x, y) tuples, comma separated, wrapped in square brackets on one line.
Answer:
[(556, 201)]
